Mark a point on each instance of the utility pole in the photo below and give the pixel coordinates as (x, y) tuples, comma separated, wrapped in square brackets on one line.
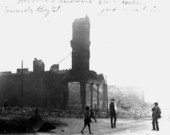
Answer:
[(22, 86)]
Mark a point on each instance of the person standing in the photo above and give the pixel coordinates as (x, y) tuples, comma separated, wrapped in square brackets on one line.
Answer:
[(87, 120), (113, 113), (156, 114)]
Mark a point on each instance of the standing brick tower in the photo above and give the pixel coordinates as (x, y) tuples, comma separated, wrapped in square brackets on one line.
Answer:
[(80, 44)]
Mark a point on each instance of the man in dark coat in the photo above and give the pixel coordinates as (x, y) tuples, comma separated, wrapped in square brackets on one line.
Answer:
[(113, 113), (156, 114)]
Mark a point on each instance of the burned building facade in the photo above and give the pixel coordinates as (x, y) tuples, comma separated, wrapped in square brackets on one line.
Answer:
[(50, 88), (80, 71), (39, 88)]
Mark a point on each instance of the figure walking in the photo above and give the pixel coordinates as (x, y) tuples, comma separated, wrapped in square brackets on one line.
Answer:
[(87, 120), (156, 114), (113, 113)]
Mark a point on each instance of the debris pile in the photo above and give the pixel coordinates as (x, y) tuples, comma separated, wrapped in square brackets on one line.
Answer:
[(27, 124)]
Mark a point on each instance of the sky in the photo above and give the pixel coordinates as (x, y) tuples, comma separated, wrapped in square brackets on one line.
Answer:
[(129, 43)]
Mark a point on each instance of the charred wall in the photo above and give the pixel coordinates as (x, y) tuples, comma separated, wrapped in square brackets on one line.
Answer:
[(45, 89)]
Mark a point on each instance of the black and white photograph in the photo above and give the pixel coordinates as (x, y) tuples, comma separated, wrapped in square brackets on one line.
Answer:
[(73, 67)]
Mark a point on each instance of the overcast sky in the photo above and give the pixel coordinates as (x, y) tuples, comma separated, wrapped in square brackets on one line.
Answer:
[(129, 45)]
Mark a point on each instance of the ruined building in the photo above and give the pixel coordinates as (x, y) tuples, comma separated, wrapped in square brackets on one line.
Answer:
[(80, 44), (50, 88), (40, 88), (38, 66), (80, 72)]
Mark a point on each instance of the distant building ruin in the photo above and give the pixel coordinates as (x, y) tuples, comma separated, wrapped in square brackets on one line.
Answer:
[(55, 68), (38, 66), (126, 96)]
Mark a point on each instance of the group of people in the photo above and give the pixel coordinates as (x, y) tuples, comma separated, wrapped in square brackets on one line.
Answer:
[(89, 114), (156, 114)]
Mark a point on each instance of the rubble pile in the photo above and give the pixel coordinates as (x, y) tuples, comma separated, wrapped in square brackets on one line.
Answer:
[(134, 112), (27, 121)]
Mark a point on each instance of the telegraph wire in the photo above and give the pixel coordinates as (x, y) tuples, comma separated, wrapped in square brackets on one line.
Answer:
[(64, 58)]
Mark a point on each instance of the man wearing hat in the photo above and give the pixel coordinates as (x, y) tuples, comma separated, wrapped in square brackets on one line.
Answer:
[(156, 114), (113, 111)]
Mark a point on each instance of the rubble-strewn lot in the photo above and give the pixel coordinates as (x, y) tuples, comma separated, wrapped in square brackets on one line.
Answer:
[(27, 121), (130, 112), (14, 120)]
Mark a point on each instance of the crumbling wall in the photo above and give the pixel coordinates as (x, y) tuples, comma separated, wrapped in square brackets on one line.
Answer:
[(45, 89)]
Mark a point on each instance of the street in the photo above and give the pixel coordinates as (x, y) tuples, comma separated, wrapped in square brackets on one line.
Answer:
[(102, 127)]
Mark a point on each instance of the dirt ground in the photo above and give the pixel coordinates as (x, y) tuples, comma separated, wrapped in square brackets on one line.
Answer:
[(102, 127)]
